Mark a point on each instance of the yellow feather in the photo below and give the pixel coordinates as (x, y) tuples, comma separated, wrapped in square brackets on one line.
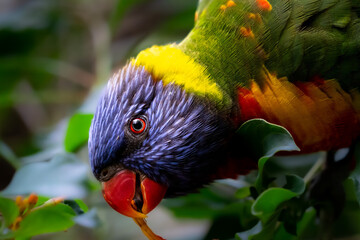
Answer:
[(171, 65)]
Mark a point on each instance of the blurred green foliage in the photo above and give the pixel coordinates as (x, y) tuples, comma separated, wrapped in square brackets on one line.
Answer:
[(33, 216), (77, 133), (55, 57)]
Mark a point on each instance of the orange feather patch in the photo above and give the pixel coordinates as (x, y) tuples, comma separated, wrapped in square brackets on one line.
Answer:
[(319, 114), (264, 5)]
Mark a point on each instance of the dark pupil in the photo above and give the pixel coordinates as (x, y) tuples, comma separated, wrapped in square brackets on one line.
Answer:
[(137, 124)]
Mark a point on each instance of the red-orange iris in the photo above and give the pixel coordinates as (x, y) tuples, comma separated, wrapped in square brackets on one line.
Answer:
[(138, 125)]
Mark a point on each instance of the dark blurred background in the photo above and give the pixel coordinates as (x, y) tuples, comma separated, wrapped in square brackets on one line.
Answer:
[(55, 57), (53, 54)]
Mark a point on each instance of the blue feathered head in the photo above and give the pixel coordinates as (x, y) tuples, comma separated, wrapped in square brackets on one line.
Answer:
[(158, 131)]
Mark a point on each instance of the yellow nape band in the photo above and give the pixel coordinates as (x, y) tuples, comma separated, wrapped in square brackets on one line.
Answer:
[(171, 65)]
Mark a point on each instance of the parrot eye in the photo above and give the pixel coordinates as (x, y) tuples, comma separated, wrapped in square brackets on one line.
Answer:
[(137, 125)]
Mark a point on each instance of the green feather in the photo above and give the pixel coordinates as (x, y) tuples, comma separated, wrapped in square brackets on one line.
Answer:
[(298, 39)]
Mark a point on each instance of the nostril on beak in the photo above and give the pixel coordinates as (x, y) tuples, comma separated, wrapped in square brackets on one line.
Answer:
[(104, 173)]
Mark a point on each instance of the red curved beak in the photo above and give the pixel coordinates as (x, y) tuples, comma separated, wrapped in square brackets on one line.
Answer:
[(131, 194)]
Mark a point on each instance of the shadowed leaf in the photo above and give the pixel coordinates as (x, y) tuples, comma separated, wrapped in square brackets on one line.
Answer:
[(268, 202), (62, 176)]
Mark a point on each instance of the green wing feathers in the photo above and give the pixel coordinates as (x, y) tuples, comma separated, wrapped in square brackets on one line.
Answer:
[(295, 63), (299, 39), (314, 38)]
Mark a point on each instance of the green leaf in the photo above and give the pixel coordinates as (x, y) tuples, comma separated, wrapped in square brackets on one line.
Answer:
[(205, 204), (348, 222), (82, 205), (41, 200), (267, 231), (269, 201), (273, 206), (63, 176), (252, 231), (217, 199), (265, 139), (77, 133), (306, 222), (291, 213), (78, 206), (282, 233), (8, 210), (46, 220), (262, 179), (8, 236), (295, 184), (243, 192)]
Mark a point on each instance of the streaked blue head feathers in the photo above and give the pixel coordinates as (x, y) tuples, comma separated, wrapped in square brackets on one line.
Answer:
[(159, 130)]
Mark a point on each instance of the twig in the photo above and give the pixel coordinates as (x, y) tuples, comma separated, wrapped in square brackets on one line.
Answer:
[(9, 155), (314, 169), (50, 202)]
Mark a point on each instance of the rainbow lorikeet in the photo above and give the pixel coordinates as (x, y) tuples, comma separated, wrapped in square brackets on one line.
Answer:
[(166, 123)]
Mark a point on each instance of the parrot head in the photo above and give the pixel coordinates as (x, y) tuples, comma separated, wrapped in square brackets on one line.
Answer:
[(149, 140)]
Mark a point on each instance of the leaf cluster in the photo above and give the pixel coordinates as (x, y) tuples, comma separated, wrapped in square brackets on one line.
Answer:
[(277, 201)]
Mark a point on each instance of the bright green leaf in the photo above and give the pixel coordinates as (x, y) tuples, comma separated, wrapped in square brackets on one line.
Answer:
[(243, 192), (268, 202), (8, 210), (82, 205), (46, 220), (77, 133), (41, 200)]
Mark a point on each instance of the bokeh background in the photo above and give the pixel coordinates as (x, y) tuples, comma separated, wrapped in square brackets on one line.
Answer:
[(55, 57)]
